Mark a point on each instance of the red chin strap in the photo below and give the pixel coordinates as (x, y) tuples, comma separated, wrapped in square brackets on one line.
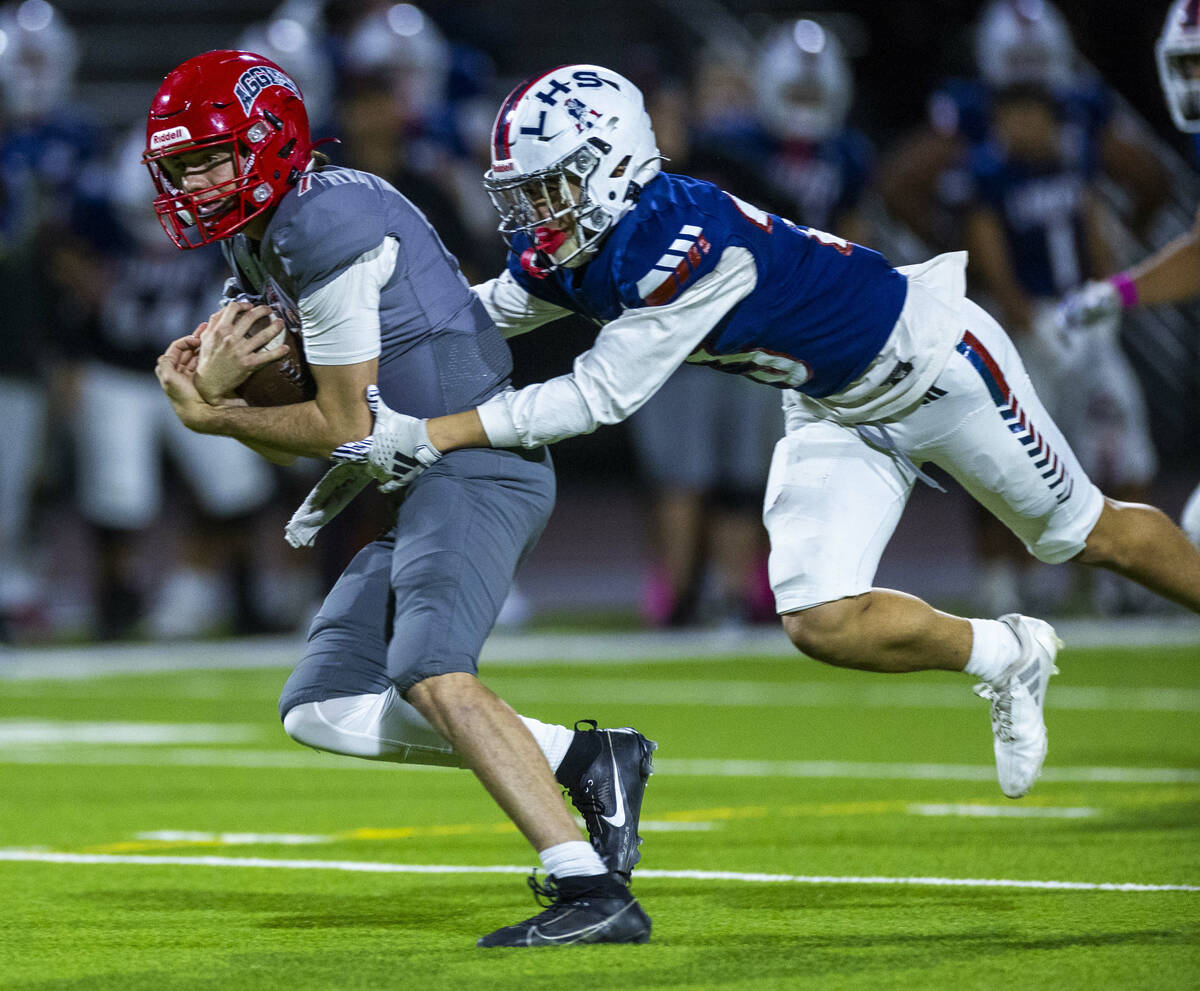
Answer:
[(537, 260)]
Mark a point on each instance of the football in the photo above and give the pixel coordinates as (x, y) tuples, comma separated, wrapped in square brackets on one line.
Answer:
[(282, 382)]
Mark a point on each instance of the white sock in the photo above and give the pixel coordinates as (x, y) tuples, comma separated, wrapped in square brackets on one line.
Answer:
[(554, 740), (994, 647), (574, 858)]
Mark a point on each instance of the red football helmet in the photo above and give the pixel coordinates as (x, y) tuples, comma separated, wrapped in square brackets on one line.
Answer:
[(229, 98)]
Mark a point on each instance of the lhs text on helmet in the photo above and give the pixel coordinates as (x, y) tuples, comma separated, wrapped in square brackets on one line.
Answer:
[(549, 94)]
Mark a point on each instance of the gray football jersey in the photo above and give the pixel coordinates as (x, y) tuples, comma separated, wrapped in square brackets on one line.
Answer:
[(439, 351)]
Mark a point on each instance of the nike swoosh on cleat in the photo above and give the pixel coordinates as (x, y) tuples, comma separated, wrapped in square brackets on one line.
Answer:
[(617, 819)]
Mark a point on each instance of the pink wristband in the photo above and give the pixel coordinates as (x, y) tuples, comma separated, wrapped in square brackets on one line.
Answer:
[(1126, 288)]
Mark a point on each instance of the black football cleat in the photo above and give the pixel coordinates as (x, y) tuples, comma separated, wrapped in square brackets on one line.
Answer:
[(597, 909), (608, 794)]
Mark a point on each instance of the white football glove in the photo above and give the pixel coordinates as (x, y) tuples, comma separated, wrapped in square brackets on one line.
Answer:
[(1068, 349), (397, 450), (1094, 307)]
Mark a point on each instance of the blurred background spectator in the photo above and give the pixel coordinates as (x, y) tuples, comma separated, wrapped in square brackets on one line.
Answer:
[(1032, 133)]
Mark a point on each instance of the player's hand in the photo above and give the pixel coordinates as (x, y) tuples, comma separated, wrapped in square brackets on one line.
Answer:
[(233, 345), (397, 450), (175, 370), (1094, 307), (1067, 350)]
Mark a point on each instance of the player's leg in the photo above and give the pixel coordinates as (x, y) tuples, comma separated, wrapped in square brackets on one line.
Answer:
[(1143, 544), (416, 609), (116, 424), (23, 406), (1032, 480), (673, 440), (210, 586), (461, 532), (1108, 427), (832, 504), (829, 520)]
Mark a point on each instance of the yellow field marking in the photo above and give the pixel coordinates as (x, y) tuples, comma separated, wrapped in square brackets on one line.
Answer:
[(1145, 797), (408, 832), (360, 833)]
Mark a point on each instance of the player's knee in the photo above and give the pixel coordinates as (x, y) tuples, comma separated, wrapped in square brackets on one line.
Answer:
[(822, 632), (338, 730), (1123, 533), (304, 724)]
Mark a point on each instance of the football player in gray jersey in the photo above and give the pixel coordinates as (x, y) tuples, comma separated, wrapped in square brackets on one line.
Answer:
[(389, 670)]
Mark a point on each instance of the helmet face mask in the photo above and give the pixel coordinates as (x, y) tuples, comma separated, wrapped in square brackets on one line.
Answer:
[(236, 103), (571, 150), (556, 197), (1178, 56)]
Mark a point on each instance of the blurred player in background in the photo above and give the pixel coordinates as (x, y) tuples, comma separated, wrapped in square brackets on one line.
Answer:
[(1015, 42), (882, 369), (708, 544), (1172, 275), (389, 670), (44, 146), (134, 291), (1034, 229)]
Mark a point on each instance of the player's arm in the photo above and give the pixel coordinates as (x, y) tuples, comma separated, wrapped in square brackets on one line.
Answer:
[(909, 177), (1101, 257), (630, 359), (341, 330), (513, 309), (1128, 160), (312, 429), (1171, 275)]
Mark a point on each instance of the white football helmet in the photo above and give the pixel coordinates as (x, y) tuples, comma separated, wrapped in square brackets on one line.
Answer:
[(38, 57), (402, 43), (1024, 41), (803, 82), (574, 142), (1178, 52)]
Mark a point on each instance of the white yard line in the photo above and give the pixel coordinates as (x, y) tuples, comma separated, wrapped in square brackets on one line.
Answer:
[(40, 732), (515, 649), (301, 759), (37, 856), (913, 772), (864, 693), (1001, 811)]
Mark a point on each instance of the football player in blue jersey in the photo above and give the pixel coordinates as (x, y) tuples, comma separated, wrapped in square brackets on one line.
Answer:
[(389, 668), (1035, 229), (45, 145), (1015, 42), (880, 370), (1171, 275), (132, 289)]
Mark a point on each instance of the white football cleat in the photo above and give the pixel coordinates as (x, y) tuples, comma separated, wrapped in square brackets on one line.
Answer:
[(1018, 731)]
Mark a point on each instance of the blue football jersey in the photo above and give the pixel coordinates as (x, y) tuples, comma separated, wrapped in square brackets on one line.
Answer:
[(1041, 206), (820, 311)]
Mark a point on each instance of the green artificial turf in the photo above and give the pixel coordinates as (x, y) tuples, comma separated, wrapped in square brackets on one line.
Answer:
[(773, 767)]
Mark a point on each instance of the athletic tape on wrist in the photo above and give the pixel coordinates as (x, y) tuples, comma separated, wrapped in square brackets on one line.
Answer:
[(1126, 288)]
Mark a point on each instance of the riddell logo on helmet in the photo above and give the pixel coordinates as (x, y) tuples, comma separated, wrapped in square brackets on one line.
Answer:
[(254, 80), (160, 139)]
